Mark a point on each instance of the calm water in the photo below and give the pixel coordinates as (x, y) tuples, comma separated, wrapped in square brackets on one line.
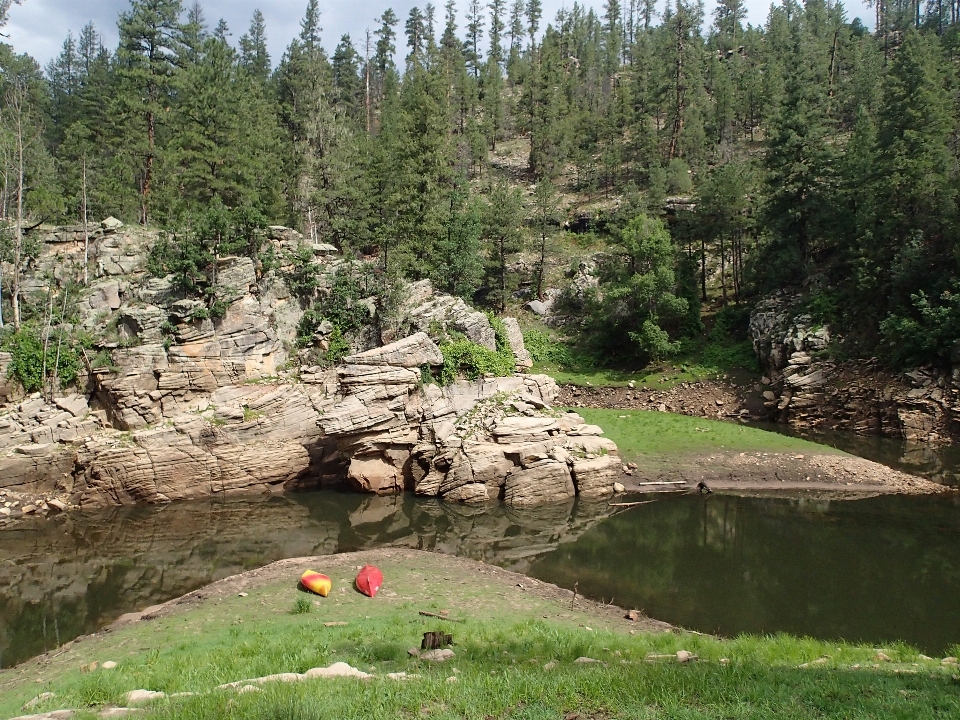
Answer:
[(939, 464), (876, 570)]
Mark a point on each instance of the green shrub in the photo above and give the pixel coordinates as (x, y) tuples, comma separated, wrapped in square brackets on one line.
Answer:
[(338, 350), (545, 350), (467, 359), (342, 305), (301, 606), (678, 176), (728, 355), (27, 359), (731, 323)]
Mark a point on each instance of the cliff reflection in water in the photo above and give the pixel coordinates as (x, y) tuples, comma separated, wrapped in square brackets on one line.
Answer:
[(875, 570), (69, 575)]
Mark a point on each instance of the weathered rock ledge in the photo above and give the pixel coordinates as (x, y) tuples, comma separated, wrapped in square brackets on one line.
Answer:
[(370, 422), (174, 403), (802, 388)]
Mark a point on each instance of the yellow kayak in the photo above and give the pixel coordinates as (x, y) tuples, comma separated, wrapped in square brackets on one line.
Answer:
[(316, 582)]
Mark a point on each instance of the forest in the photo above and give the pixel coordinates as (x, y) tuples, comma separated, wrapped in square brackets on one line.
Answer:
[(703, 162)]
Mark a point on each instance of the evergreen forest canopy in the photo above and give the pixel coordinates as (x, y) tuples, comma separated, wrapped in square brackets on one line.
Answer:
[(808, 153)]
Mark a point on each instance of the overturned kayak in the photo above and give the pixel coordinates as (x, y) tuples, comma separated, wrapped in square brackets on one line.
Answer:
[(369, 580), (316, 582)]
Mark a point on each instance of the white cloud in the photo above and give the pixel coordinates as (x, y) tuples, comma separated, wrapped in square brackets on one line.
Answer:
[(39, 27)]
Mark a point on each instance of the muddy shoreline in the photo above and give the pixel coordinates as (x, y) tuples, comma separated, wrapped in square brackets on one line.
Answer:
[(827, 475), (830, 473)]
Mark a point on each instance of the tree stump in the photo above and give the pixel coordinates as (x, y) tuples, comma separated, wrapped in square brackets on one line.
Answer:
[(436, 639)]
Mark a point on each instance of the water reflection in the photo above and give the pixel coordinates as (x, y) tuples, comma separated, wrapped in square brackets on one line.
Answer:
[(939, 464), (72, 574), (875, 570)]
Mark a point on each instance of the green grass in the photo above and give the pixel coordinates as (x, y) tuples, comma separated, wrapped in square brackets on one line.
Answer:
[(508, 635), (640, 433)]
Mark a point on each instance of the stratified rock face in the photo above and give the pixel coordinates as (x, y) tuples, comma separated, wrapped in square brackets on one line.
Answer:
[(186, 405), (425, 308), (805, 390), (410, 352)]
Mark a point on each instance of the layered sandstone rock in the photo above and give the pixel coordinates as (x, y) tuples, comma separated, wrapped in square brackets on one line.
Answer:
[(177, 404), (804, 388)]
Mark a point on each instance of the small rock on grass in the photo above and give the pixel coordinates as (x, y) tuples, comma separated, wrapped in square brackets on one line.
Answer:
[(338, 669), (138, 697), (118, 712), (585, 660), (439, 655), (882, 657), (109, 665), (949, 661), (42, 697), (550, 665), (685, 656), (451, 679)]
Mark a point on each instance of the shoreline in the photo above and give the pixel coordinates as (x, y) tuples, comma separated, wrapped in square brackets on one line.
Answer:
[(834, 475)]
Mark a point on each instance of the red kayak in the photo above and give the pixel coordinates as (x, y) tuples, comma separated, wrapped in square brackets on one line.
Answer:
[(369, 580)]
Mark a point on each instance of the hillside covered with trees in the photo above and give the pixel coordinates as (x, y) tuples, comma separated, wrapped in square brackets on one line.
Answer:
[(699, 159)]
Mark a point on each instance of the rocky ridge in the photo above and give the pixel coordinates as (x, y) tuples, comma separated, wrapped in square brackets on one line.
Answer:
[(175, 404)]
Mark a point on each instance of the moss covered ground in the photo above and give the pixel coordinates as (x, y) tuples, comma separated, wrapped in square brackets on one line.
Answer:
[(516, 653)]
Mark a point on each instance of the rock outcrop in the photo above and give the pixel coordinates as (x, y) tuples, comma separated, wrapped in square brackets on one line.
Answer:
[(178, 404), (803, 387)]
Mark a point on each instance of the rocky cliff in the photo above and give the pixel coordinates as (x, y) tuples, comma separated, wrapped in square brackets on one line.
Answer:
[(802, 386), (174, 404)]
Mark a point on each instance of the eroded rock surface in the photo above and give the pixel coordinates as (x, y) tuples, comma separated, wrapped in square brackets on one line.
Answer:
[(805, 389), (176, 404)]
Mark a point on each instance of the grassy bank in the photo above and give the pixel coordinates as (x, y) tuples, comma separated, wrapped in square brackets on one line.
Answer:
[(642, 433), (516, 650)]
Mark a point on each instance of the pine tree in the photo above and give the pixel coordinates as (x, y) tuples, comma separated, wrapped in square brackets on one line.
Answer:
[(254, 56), (146, 65), (503, 237), (799, 157), (224, 135), (416, 32), (545, 216), (474, 36), (347, 80)]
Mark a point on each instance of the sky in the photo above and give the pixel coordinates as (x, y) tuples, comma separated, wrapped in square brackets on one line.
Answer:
[(39, 27)]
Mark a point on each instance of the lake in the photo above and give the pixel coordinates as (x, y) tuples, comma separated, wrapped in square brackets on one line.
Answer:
[(876, 570)]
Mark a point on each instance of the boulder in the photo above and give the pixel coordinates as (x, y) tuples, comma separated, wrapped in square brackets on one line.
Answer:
[(542, 482), (596, 477), (374, 474), (425, 310), (105, 296), (410, 352), (515, 338), (235, 276)]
